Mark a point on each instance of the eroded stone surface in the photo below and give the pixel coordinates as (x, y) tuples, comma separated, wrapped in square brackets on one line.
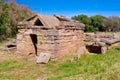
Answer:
[(43, 58), (55, 35)]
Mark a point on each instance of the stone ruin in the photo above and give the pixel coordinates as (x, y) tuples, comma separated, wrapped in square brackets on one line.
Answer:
[(56, 35), (100, 42)]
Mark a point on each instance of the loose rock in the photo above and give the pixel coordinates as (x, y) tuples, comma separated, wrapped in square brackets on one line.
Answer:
[(43, 58)]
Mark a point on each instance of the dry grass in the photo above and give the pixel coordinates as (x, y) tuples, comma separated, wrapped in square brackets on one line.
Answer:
[(88, 67)]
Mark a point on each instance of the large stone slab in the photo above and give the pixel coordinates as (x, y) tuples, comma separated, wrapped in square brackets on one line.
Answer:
[(43, 58)]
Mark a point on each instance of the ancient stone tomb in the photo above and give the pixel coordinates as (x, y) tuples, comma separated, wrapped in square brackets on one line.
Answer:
[(56, 35)]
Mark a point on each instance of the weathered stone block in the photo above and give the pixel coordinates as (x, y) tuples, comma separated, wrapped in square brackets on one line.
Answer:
[(43, 58), (50, 36), (29, 31)]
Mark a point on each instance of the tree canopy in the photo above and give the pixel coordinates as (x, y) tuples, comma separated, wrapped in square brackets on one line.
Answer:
[(99, 23), (10, 14)]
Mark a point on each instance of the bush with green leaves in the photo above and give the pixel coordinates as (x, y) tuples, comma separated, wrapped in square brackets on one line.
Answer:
[(10, 14), (99, 23)]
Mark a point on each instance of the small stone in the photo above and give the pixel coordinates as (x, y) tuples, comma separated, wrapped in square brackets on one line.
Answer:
[(103, 49), (43, 58)]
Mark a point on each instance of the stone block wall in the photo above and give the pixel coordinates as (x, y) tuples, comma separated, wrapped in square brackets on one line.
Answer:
[(58, 42), (24, 45)]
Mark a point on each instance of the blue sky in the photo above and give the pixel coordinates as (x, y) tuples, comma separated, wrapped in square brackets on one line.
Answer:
[(73, 7)]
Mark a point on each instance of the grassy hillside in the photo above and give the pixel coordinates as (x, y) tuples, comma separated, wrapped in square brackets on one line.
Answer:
[(89, 67)]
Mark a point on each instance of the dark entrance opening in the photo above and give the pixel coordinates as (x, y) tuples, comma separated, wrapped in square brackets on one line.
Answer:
[(38, 23), (94, 49), (35, 41), (11, 45)]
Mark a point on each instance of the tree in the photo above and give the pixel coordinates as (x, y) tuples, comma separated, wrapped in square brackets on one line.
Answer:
[(86, 20), (114, 23), (82, 18), (98, 22), (4, 21), (10, 14)]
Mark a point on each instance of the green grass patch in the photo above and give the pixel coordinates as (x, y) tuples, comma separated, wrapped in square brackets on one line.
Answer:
[(96, 66), (88, 67), (9, 65)]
